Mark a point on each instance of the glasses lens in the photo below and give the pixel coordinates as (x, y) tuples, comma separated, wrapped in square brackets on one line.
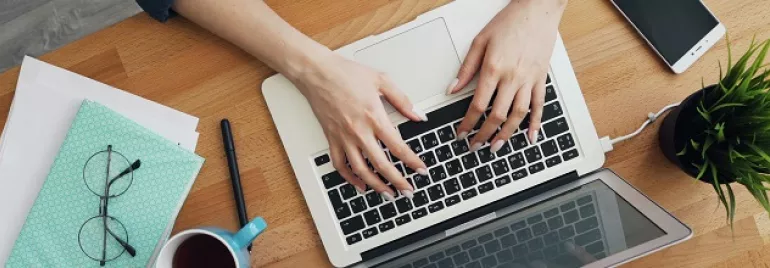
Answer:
[(96, 170), (92, 234)]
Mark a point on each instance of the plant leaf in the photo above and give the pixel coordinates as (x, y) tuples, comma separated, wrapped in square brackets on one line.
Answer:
[(731, 213), (682, 152), (726, 105), (718, 188), (759, 151)]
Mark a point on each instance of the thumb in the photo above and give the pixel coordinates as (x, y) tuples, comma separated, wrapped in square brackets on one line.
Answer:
[(470, 66), (400, 101)]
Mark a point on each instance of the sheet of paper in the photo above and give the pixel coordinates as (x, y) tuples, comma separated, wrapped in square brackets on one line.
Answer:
[(45, 103)]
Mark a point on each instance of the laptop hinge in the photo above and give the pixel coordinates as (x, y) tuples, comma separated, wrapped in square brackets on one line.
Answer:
[(470, 216)]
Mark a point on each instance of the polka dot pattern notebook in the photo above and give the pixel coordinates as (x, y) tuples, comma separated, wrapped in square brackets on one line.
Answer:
[(145, 178)]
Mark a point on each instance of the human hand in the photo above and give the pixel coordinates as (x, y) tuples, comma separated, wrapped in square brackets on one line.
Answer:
[(345, 97), (512, 53)]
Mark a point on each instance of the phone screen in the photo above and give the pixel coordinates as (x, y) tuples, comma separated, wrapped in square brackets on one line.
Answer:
[(673, 27)]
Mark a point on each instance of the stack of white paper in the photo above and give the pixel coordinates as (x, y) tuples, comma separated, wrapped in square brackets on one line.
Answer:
[(44, 105)]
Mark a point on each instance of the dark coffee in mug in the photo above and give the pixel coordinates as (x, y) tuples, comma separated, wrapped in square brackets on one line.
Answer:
[(202, 251)]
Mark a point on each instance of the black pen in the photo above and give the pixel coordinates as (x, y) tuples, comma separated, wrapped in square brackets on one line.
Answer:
[(235, 176)]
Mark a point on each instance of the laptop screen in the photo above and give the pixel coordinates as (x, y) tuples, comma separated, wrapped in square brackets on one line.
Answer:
[(572, 229)]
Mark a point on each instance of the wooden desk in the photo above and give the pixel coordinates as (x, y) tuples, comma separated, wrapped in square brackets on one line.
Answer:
[(180, 65)]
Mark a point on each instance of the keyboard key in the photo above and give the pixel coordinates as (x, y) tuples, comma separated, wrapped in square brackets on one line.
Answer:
[(570, 154), (373, 199), (555, 223), (539, 228), (535, 244), (492, 246), (452, 250), (508, 240), (460, 147), (550, 92), (370, 232), (437, 173), (595, 247), (504, 256), (586, 225), (468, 194), (485, 155), (386, 226), (452, 200), (486, 187), (484, 174), (430, 140), (468, 179), (442, 116), (420, 199), (502, 231), (555, 127), (461, 258), (533, 154), (519, 174), (516, 161), (400, 168), (588, 237), (403, 219), (500, 167), (446, 263), (476, 252), (358, 204), (571, 216), (520, 251), (489, 261), (421, 181), (451, 186), (435, 207), (446, 134), (419, 213), (334, 197), (505, 150), (540, 138), (549, 148), (567, 206), (353, 239), (587, 211), (388, 211), (536, 168), (551, 111), (505, 179), (429, 159), (319, 161), (436, 256), (352, 225), (534, 219), (523, 235), (372, 217), (551, 212), (565, 141), (553, 161), (519, 141), (485, 238), (470, 161), (525, 122), (342, 211), (393, 157), (536, 256), (566, 232), (332, 179), (453, 167), (518, 225), (415, 146), (435, 192), (468, 244), (584, 200), (444, 153), (348, 191), (403, 205)]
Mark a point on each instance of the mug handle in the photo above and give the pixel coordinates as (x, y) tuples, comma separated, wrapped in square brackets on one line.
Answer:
[(249, 232)]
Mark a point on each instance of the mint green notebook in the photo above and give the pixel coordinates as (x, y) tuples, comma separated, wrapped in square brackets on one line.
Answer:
[(64, 227)]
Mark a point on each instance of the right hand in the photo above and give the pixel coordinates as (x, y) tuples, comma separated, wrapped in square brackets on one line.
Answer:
[(345, 97)]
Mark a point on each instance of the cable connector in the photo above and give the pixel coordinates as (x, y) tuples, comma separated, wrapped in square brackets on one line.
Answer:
[(606, 144)]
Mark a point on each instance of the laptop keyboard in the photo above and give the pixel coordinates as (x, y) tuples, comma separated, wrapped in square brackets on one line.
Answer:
[(541, 236), (455, 173)]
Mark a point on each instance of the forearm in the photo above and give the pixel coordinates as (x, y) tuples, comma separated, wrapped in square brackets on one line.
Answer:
[(257, 29)]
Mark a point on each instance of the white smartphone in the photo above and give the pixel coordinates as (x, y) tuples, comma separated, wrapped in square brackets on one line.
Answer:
[(680, 31)]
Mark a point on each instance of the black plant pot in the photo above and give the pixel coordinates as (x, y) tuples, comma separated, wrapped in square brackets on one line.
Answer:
[(677, 128)]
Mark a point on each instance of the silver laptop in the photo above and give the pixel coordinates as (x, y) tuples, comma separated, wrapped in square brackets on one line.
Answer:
[(545, 200)]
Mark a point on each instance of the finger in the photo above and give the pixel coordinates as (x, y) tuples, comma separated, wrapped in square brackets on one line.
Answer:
[(519, 110), (360, 168), (392, 139), (400, 101), (579, 252), (386, 169), (479, 104), (339, 163), (536, 104), (470, 65), (499, 115)]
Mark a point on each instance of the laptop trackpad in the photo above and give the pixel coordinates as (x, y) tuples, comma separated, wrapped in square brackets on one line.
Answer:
[(421, 61)]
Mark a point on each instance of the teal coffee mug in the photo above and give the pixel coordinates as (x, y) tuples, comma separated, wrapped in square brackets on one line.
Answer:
[(210, 247)]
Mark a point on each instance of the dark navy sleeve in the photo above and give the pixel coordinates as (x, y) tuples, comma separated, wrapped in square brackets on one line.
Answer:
[(158, 9)]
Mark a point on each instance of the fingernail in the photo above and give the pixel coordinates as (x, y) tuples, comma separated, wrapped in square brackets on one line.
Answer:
[(533, 138), (420, 114), (462, 135), (360, 191), (422, 171), (388, 196), (476, 146), (408, 193), (452, 86), (496, 146)]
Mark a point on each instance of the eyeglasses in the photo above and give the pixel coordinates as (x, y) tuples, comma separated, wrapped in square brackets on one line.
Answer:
[(103, 237)]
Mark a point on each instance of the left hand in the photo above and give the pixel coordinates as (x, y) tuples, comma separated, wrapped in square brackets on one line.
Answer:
[(512, 53)]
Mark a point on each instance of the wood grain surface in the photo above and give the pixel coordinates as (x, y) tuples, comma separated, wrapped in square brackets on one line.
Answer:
[(181, 65)]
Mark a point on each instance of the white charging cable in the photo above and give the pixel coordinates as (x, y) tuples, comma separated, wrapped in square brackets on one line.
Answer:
[(608, 144)]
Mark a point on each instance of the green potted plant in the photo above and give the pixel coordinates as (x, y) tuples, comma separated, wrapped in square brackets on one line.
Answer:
[(721, 134)]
